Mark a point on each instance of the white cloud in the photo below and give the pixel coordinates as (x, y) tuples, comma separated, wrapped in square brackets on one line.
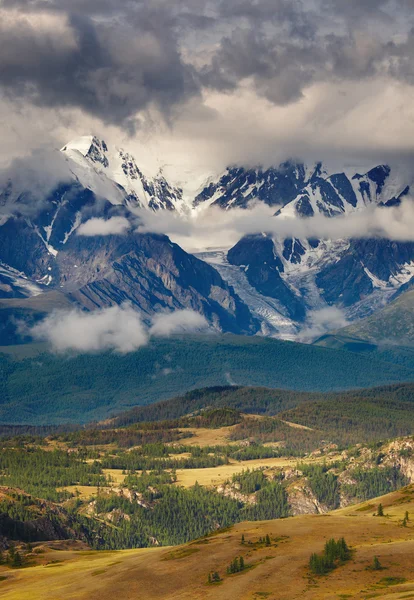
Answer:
[(98, 226), (216, 228), (118, 328), (32, 179), (322, 321), (181, 321)]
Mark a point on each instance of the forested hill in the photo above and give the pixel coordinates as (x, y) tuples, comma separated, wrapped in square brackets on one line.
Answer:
[(52, 389), (386, 409)]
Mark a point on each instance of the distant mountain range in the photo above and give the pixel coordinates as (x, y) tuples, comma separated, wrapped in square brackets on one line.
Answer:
[(259, 285)]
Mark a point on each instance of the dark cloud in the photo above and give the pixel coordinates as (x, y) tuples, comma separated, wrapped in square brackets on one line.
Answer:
[(111, 68), (356, 10), (114, 60), (287, 14), (282, 51), (280, 70)]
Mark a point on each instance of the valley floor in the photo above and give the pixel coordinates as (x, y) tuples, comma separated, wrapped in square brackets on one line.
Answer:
[(66, 571)]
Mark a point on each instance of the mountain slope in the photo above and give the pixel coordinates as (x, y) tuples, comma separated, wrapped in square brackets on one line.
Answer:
[(278, 571), (393, 325), (54, 389)]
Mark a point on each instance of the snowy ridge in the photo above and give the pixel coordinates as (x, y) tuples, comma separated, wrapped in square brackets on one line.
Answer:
[(120, 168)]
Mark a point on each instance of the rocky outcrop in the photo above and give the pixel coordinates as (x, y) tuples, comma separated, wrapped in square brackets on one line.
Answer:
[(400, 454), (302, 500), (232, 490), (48, 521)]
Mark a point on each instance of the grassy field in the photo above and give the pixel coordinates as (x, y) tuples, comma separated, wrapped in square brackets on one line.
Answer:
[(217, 475), (208, 437), (278, 572)]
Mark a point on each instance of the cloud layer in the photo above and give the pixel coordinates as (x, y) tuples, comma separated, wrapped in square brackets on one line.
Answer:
[(221, 229), (118, 328), (217, 228)]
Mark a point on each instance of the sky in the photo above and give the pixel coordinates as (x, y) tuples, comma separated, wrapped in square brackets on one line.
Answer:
[(196, 85)]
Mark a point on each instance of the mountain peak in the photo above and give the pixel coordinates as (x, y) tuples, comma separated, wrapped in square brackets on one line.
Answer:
[(90, 147)]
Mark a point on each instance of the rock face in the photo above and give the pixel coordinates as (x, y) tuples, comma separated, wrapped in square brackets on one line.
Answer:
[(151, 273), (308, 190), (49, 522), (400, 454), (263, 269), (238, 186), (147, 270)]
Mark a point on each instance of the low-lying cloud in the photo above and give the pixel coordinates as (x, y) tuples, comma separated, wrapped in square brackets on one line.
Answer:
[(98, 226), (321, 322), (117, 328), (180, 321), (217, 228), (25, 185)]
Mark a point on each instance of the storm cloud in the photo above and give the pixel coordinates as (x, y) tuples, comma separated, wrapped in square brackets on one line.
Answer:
[(108, 61), (114, 60), (208, 84)]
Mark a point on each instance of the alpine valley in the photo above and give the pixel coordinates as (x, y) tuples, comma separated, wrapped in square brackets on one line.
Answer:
[(261, 285)]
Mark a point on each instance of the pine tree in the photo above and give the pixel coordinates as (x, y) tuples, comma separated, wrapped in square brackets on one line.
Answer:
[(12, 552), (343, 549), (241, 565), (267, 540), (242, 538), (17, 560), (407, 518), (334, 551), (376, 564), (380, 511)]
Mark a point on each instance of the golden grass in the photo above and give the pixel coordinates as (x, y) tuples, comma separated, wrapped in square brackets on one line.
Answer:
[(116, 475), (208, 437), (280, 572), (215, 437), (217, 475), (86, 492)]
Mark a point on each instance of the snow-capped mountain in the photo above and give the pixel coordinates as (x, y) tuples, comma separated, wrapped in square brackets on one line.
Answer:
[(304, 190), (41, 251), (285, 280), (120, 167), (262, 283)]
